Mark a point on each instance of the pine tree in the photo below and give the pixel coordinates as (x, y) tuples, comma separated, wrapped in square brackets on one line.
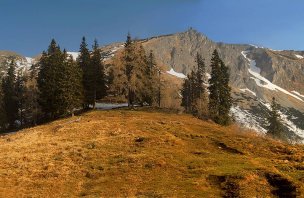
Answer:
[(98, 66), (9, 96), (49, 81), (220, 100), (71, 86), (20, 91), (200, 100), (225, 96), (2, 110), (88, 79), (32, 111), (59, 83), (129, 66), (214, 87), (139, 78), (153, 81), (275, 128), (186, 93), (194, 98)]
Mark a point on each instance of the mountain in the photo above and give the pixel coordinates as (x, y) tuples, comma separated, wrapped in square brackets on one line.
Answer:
[(146, 153), (22, 62), (257, 75)]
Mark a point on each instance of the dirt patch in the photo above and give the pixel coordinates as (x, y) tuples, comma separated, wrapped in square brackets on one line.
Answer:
[(282, 187), (227, 183)]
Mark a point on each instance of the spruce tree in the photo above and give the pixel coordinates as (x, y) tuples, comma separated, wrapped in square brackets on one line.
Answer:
[(88, 75), (225, 96), (71, 85), (3, 120), (59, 83), (10, 99), (153, 81), (214, 87), (200, 100), (275, 128), (49, 81), (139, 77), (193, 92), (99, 71), (20, 91), (32, 111), (186, 93), (129, 66), (220, 100)]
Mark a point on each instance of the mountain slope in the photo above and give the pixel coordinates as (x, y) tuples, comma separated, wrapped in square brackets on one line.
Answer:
[(146, 153), (257, 75), (23, 63)]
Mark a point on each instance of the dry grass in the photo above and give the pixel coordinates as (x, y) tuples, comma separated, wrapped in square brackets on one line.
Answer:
[(145, 154)]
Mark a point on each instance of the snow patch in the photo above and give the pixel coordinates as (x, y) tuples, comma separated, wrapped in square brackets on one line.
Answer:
[(262, 81), (74, 55), (248, 90), (297, 93), (289, 124), (29, 60), (276, 50), (246, 119), (299, 56), (176, 74)]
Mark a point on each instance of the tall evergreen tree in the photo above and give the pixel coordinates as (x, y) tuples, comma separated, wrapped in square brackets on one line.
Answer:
[(100, 77), (153, 81), (10, 99), (220, 100), (59, 83), (139, 78), (89, 77), (2, 110), (275, 128), (225, 95), (49, 80), (71, 86), (32, 110), (129, 58), (186, 93), (20, 91), (200, 98), (214, 84), (194, 98)]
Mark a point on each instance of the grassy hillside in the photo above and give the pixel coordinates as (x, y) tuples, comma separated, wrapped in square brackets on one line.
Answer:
[(146, 154)]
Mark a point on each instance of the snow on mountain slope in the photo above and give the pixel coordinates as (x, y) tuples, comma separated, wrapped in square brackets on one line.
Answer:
[(262, 81), (174, 73), (288, 123), (297, 93), (247, 119), (74, 55), (248, 90), (299, 56)]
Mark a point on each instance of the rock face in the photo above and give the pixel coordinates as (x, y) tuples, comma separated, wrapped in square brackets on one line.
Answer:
[(257, 75), (23, 63)]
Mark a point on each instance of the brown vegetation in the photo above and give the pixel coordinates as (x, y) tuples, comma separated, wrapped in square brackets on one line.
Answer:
[(146, 153)]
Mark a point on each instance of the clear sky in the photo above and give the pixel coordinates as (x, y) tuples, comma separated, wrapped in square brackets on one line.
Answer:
[(27, 26)]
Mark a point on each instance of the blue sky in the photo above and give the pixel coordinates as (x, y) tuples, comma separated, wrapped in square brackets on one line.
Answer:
[(28, 26)]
